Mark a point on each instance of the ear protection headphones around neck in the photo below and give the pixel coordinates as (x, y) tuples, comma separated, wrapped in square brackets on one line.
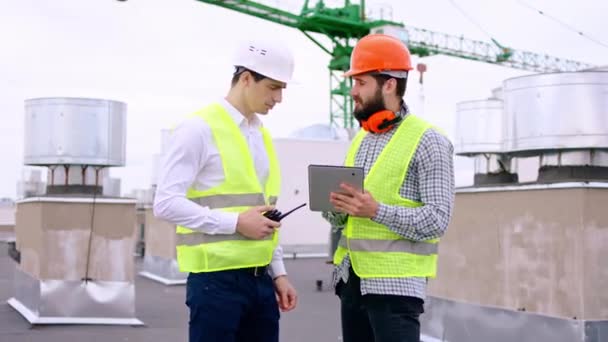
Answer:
[(380, 122)]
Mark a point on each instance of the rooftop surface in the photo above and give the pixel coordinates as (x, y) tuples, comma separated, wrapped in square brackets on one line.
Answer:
[(162, 310)]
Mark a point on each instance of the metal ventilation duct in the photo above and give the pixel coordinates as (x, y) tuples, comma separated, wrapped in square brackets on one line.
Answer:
[(563, 119), (480, 134), (76, 138), (75, 131), (479, 127), (556, 112)]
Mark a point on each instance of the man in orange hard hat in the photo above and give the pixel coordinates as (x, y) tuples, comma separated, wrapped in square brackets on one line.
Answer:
[(391, 230)]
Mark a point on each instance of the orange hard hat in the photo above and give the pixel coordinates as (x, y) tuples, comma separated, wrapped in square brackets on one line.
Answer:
[(377, 53)]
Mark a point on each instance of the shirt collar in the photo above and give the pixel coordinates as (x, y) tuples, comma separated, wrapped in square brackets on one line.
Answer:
[(239, 118), (405, 110)]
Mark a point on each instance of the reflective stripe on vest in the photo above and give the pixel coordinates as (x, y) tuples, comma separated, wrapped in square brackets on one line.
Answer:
[(405, 246), (198, 238), (233, 200)]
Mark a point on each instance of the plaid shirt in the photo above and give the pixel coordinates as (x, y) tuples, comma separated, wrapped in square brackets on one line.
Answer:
[(430, 180)]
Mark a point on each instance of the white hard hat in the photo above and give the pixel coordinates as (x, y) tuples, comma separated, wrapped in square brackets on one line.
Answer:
[(269, 58)]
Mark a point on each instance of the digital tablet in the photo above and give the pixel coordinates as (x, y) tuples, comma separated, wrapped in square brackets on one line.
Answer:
[(324, 179)]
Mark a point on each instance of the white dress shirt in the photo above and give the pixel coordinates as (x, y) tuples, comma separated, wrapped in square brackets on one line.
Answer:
[(191, 158)]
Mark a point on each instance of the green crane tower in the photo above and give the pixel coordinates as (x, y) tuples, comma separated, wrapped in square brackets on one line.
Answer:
[(346, 24)]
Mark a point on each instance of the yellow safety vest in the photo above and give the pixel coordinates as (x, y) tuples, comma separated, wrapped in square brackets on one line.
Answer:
[(241, 190), (375, 250)]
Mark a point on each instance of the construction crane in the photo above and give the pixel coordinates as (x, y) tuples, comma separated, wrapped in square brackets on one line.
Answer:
[(344, 25)]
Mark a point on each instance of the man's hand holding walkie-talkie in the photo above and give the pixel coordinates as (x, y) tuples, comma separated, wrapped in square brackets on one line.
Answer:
[(259, 222)]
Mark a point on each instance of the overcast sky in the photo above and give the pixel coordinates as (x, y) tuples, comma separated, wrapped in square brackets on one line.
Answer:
[(167, 58)]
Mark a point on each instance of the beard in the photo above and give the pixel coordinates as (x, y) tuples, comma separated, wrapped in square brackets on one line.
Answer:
[(376, 104)]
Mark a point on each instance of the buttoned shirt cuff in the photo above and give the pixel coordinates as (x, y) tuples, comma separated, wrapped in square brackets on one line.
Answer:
[(227, 223), (277, 268), (384, 214)]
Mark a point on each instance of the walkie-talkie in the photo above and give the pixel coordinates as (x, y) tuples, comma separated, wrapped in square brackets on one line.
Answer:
[(277, 216)]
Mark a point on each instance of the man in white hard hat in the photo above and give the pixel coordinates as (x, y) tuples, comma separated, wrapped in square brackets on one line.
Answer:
[(217, 178)]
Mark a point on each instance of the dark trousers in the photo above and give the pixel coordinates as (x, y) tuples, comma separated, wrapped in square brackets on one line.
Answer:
[(232, 306), (377, 318)]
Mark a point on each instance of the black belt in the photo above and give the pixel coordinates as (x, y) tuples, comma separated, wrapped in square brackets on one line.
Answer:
[(255, 271)]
